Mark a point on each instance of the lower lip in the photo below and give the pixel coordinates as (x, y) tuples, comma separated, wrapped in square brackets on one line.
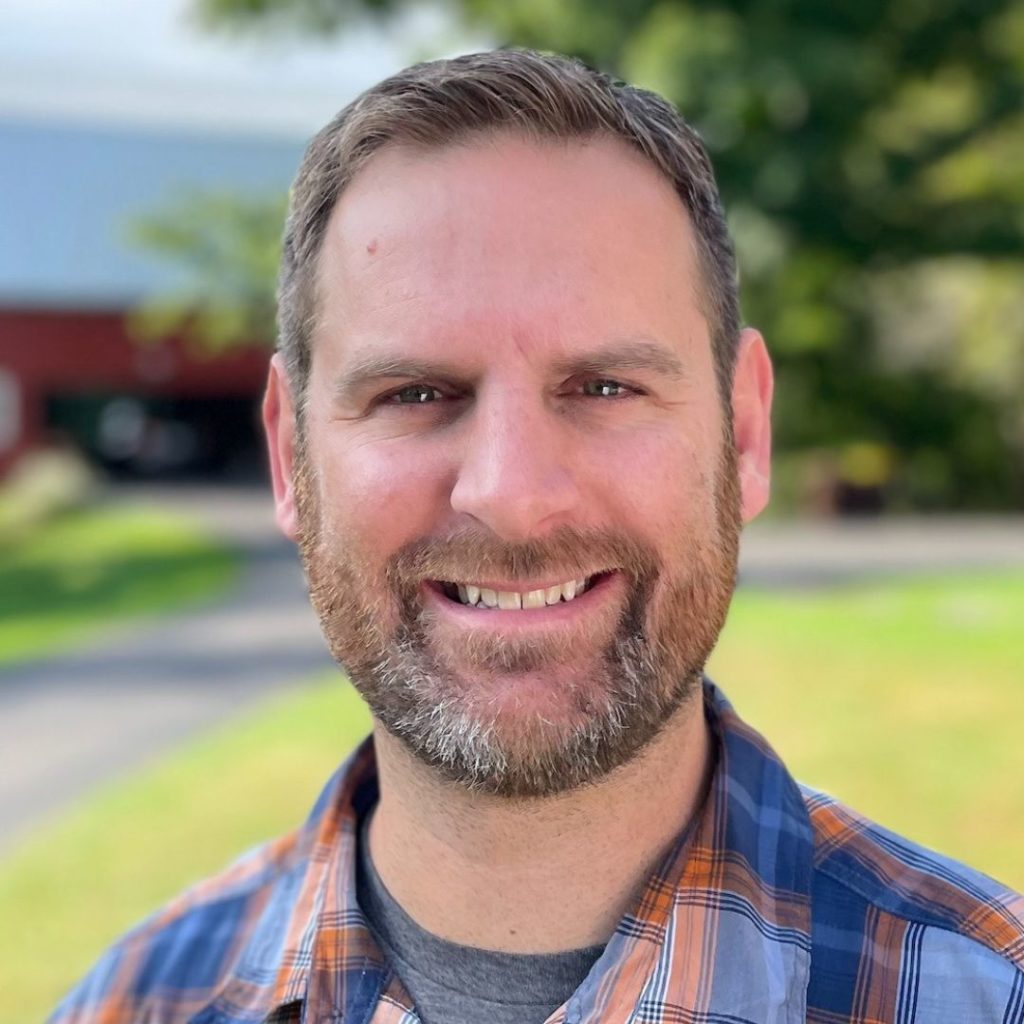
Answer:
[(604, 589)]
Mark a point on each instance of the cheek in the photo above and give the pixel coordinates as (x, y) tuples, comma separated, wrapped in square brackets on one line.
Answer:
[(382, 493), (655, 482)]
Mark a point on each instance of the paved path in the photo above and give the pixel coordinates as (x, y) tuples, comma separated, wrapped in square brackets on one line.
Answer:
[(830, 552), (74, 721)]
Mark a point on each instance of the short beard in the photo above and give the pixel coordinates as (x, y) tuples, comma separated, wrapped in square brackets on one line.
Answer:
[(378, 631)]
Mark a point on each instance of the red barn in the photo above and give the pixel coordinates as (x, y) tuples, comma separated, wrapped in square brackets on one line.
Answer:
[(69, 369), (77, 376)]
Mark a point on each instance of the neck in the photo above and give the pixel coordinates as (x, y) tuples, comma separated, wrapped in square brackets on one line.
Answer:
[(534, 876)]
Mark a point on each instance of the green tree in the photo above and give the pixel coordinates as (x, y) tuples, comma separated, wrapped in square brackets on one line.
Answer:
[(228, 248), (865, 151)]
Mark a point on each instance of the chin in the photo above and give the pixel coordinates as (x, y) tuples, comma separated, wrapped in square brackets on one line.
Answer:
[(525, 734), (539, 701)]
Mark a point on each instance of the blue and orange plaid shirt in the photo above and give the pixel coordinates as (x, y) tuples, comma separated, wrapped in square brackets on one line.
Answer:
[(777, 905)]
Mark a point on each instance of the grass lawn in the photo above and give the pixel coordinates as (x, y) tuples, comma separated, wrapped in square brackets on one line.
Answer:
[(904, 699), (85, 570)]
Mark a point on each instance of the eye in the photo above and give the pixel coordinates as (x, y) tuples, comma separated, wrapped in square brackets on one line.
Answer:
[(602, 387), (413, 394)]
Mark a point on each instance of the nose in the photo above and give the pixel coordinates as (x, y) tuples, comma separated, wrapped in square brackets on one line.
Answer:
[(515, 474)]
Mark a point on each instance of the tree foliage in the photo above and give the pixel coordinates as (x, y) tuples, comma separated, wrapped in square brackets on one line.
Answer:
[(228, 247), (866, 152)]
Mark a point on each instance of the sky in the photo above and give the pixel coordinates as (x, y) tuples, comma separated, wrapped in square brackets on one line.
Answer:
[(145, 62)]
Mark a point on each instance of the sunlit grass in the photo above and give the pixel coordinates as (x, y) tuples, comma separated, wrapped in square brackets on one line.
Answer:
[(85, 570), (905, 699)]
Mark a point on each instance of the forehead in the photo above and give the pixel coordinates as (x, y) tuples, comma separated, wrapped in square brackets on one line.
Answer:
[(503, 232)]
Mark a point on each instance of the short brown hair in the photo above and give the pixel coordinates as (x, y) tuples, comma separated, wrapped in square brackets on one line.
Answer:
[(544, 95)]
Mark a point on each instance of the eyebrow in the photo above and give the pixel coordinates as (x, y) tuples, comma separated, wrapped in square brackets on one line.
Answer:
[(626, 355), (372, 369), (638, 354)]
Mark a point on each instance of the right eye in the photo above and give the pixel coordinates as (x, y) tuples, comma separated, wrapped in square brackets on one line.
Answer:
[(604, 387), (413, 394)]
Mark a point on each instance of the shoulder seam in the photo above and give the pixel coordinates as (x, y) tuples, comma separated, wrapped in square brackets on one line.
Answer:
[(921, 919), (844, 878), (191, 901)]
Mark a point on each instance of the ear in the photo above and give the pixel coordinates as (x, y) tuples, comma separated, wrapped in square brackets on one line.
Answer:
[(279, 424), (751, 421)]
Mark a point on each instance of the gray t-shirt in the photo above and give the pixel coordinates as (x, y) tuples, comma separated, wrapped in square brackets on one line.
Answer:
[(453, 984)]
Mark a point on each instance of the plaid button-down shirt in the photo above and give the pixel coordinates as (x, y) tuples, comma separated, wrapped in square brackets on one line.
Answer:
[(777, 905)]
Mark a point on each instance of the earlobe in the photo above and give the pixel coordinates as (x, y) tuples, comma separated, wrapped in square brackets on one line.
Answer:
[(751, 409), (280, 426)]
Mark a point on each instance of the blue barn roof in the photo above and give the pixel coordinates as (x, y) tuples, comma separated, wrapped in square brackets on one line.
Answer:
[(69, 194)]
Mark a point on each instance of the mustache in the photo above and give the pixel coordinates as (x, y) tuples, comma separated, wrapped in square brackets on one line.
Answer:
[(472, 554)]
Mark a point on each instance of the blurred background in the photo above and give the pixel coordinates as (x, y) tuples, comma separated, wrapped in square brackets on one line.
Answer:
[(165, 699)]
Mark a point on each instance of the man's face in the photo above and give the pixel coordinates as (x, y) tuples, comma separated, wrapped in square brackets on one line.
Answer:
[(512, 400)]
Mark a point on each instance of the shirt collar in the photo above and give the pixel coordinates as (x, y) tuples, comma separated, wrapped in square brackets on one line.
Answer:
[(723, 924)]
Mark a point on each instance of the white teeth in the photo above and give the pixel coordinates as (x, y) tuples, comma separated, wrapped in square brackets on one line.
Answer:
[(507, 600)]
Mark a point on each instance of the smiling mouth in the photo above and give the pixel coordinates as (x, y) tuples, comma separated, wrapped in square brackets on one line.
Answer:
[(475, 596)]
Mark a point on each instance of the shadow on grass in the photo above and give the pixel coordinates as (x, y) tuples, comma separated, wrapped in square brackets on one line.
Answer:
[(29, 590), (91, 569)]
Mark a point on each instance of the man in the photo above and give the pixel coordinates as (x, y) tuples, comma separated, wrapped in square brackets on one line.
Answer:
[(515, 428)]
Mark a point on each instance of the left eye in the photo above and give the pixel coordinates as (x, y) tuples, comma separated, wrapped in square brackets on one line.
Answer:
[(604, 388), (414, 394)]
